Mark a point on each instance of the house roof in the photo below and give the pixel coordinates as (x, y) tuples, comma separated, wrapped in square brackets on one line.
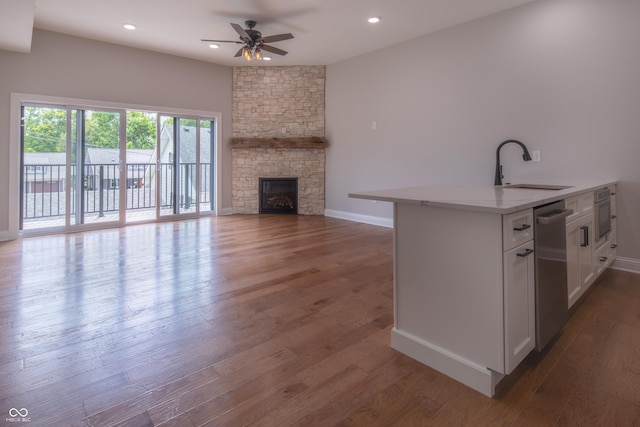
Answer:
[(187, 143), (105, 156), (45, 158)]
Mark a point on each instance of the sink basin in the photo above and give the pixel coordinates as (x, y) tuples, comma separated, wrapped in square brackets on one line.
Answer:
[(539, 186)]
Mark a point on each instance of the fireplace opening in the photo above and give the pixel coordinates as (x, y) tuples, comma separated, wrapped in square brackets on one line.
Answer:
[(279, 195)]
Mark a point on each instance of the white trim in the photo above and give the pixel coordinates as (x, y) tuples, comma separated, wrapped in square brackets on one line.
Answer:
[(626, 264), (366, 219), (17, 99), (460, 369), (14, 167)]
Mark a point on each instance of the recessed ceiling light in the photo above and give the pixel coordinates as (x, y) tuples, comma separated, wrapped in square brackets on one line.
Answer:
[(214, 46), (129, 26), (374, 19), (266, 58)]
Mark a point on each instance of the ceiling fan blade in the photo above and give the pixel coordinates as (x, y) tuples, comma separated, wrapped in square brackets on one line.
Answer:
[(239, 53), (273, 50), (276, 38), (221, 41), (243, 34)]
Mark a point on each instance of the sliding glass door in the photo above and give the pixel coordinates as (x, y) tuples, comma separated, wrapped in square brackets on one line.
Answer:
[(87, 168), (71, 167), (185, 167), (96, 177)]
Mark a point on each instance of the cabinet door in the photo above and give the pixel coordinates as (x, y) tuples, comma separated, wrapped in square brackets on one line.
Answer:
[(580, 267), (519, 305)]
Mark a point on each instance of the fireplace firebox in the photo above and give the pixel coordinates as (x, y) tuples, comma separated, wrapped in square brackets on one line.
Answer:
[(278, 195)]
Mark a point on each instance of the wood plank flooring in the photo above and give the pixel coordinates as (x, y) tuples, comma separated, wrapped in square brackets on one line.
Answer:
[(270, 321)]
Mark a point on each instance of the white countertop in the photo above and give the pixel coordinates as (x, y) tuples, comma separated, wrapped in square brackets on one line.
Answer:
[(485, 198)]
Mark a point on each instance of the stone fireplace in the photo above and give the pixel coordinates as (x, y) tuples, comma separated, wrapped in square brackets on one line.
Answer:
[(302, 158), (278, 126)]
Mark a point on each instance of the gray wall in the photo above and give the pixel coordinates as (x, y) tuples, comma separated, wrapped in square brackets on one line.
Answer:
[(71, 67), (563, 76)]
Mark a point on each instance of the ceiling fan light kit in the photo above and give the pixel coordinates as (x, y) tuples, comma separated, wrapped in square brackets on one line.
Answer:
[(254, 43)]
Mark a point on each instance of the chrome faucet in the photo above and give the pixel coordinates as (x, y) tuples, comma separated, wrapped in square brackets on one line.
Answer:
[(525, 155)]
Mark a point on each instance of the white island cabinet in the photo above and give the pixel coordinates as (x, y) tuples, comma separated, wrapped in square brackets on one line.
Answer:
[(464, 284)]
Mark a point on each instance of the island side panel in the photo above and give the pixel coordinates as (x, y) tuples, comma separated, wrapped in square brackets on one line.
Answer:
[(448, 282)]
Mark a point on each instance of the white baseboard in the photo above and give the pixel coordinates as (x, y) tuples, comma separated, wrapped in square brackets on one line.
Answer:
[(627, 264), (473, 375), (366, 219), (225, 211)]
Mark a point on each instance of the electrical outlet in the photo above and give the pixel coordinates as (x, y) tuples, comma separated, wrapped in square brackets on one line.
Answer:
[(374, 125), (535, 155), (284, 131)]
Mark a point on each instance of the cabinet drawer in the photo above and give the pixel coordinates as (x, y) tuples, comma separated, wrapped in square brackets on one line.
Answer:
[(581, 204), (602, 258), (517, 228)]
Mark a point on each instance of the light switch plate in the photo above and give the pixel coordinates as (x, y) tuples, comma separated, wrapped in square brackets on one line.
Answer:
[(535, 155)]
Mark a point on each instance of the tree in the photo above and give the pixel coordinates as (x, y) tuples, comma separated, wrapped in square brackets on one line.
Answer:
[(102, 129), (141, 130), (204, 123), (45, 130)]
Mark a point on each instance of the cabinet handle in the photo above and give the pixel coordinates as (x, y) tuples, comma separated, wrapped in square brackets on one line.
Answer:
[(614, 246), (585, 236), (613, 194), (526, 252), (522, 227), (614, 216), (603, 259)]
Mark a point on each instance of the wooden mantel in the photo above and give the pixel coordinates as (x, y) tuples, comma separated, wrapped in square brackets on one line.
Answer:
[(290, 142)]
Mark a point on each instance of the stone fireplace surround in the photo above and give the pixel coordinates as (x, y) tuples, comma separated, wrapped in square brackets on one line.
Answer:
[(255, 158)]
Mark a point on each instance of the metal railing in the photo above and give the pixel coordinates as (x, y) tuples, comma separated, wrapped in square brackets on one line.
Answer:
[(44, 188)]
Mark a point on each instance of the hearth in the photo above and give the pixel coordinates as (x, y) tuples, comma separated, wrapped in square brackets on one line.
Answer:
[(278, 195)]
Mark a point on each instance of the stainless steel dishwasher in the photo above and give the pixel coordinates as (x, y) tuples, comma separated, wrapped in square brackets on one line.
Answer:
[(550, 243)]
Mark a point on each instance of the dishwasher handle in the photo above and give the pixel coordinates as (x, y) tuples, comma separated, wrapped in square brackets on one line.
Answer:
[(554, 216)]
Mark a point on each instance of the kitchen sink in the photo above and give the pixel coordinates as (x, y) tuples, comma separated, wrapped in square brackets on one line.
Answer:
[(539, 186)]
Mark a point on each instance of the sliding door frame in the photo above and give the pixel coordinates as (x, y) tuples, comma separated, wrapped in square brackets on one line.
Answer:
[(15, 150)]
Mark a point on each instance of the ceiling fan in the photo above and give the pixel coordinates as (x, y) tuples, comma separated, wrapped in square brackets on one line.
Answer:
[(253, 42)]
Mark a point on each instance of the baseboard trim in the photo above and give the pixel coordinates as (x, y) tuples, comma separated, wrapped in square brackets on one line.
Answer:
[(225, 211), (366, 219), (475, 376), (627, 264)]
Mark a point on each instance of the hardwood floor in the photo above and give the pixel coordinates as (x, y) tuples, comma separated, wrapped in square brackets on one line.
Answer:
[(270, 321)]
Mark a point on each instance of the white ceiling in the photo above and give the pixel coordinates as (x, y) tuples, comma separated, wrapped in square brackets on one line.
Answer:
[(325, 31)]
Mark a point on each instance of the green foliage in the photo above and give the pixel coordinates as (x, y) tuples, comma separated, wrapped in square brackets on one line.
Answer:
[(205, 124), (141, 130), (102, 129), (45, 130)]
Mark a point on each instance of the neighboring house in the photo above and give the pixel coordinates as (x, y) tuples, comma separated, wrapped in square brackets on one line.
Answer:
[(138, 161), (187, 159), (45, 172)]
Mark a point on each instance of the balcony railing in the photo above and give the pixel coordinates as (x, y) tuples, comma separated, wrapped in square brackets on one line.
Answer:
[(44, 185)]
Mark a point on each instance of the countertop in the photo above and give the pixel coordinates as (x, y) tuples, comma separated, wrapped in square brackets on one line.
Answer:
[(485, 198)]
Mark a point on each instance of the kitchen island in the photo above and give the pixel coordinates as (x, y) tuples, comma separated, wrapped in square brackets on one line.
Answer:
[(463, 292)]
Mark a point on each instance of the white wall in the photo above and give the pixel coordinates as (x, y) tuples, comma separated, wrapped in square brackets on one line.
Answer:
[(563, 76), (72, 67)]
